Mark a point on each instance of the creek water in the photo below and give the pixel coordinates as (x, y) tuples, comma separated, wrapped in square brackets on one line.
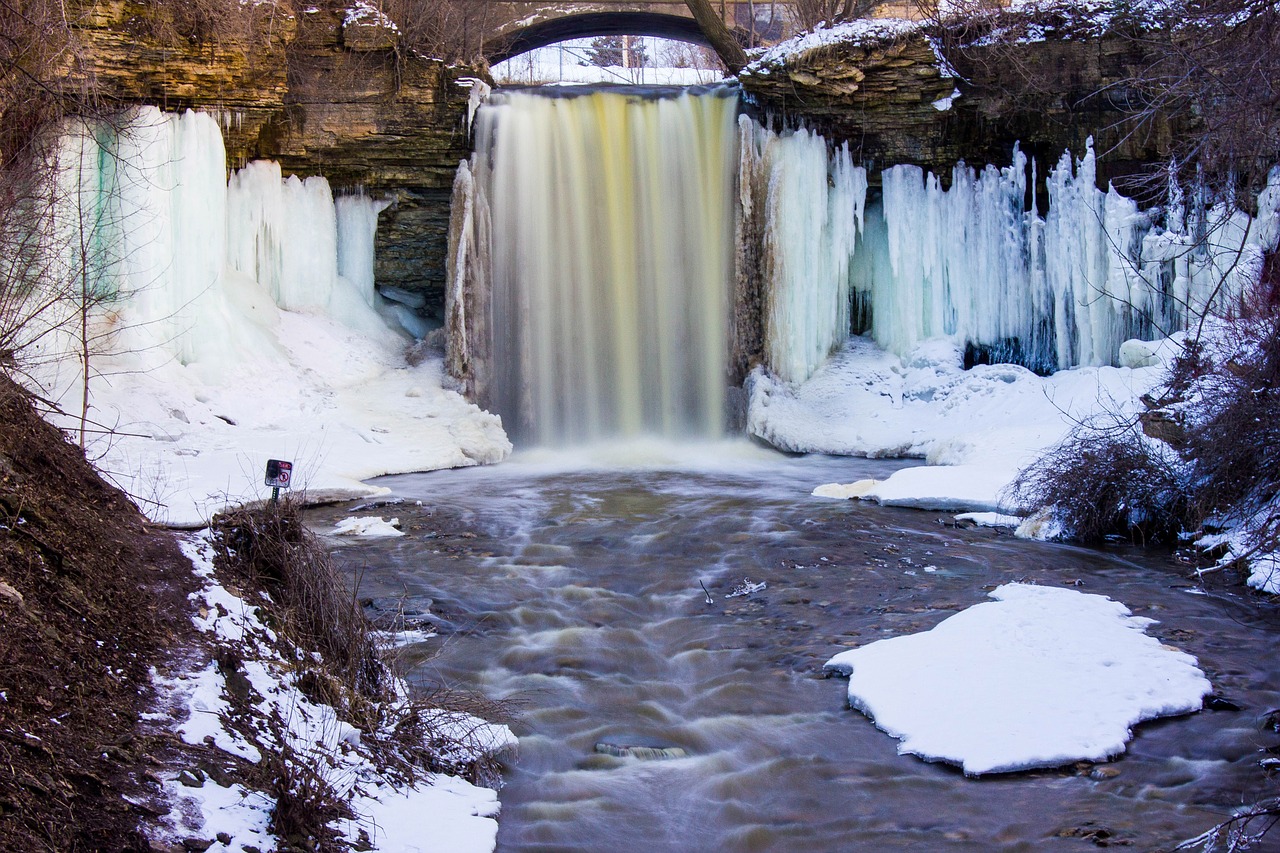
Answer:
[(578, 595)]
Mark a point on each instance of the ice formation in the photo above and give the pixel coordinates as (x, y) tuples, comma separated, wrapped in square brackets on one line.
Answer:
[(196, 375), (973, 264), (813, 211), (146, 209)]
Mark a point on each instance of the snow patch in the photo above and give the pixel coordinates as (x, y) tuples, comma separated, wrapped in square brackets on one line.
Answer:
[(369, 527), (1040, 677)]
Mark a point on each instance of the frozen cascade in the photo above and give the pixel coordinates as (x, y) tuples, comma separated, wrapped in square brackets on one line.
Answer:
[(813, 211), (607, 220), (357, 225), (183, 255), (971, 263)]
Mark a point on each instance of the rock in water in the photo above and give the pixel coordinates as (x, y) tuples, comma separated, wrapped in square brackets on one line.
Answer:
[(642, 749)]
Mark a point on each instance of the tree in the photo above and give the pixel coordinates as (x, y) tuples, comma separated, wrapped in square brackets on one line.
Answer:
[(721, 39), (617, 52)]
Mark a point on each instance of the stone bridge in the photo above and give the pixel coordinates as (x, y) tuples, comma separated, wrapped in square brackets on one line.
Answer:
[(518, 26)]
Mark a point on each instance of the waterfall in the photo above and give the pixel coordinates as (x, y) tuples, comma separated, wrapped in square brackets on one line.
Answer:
[(602, 223)]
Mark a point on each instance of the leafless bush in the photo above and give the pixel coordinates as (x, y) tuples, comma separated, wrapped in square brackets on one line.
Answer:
[(448, 731), (1243, 831), (1106, 480), (453, 30), (810, 13), (1223, 391), (269, 548), (305, 805)]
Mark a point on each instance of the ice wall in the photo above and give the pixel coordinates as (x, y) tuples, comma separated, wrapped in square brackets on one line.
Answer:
[(178, 257), (975, 264), (607, 224), (813, 211)]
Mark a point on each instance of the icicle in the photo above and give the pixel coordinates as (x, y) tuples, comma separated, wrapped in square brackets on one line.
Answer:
[(814, 206)]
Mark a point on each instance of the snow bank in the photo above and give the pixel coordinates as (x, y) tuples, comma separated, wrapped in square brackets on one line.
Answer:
[(867, 30), (1040, 677), (975, 428), (435, 812)]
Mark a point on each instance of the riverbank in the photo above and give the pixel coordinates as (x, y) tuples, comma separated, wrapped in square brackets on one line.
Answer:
[(150, 700)]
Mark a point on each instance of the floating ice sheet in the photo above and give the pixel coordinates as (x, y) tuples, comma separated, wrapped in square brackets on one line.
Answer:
[(1039, 677)]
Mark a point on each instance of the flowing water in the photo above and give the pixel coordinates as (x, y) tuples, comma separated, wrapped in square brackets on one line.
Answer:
[(578, 595)]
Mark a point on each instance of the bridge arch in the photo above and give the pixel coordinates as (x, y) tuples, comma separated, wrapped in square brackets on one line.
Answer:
[(592, 24)]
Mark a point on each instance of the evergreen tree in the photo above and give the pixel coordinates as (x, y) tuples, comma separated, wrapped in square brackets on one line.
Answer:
[(611, 51)]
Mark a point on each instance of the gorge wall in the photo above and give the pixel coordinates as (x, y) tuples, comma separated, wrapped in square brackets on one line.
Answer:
[(888, 93), (322, 92)]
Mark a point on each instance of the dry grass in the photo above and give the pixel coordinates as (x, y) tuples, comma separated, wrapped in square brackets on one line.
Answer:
[(270, 549), (313, 609)]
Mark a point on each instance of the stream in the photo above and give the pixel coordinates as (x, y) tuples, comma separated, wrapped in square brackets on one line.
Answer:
[(578, 595)]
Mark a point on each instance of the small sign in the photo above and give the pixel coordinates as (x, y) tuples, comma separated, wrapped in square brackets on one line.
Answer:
[(279, 473)]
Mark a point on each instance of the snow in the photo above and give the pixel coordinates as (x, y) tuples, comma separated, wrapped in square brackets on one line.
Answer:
[(862, 31), (442, 812), (243, 327), (974, 428), (990, 519), (369, 528), (1039, 677), (365, 13)]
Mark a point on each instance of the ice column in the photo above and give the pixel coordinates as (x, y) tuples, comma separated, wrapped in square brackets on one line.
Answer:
[(146, 222), (973, 264), (813, 203)]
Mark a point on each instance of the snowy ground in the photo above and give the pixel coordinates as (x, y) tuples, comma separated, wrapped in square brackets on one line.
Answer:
[(1008, 674), (974, 429), (437, 813), (340, 403)]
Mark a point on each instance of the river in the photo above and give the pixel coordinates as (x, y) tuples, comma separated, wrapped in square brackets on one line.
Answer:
[(578, 595)]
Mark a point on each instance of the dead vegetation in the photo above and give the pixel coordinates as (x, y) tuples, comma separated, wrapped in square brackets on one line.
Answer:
[(1218, 468), (310, 606), (90, 598)]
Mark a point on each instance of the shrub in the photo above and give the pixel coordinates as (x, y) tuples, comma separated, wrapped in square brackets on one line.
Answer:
[(1108, 480), (269, 548)]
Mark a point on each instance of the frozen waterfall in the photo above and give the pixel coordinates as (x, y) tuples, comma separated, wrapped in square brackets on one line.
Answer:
[(178, 258), (974, 264)]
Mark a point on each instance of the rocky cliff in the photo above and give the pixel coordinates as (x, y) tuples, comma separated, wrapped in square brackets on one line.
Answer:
[(324, 91), (889, 93)]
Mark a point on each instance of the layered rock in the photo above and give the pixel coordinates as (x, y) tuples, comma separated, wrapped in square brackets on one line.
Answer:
[(327, 91), (887, 91)]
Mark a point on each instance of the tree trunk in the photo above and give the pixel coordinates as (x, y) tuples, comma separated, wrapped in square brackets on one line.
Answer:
[(722, 41)]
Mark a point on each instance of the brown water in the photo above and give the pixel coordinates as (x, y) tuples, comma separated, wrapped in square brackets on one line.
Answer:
[(578, 595)]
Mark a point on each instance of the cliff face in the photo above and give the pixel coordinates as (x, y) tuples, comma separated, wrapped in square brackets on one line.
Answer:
[(317, 92), (890, 99)]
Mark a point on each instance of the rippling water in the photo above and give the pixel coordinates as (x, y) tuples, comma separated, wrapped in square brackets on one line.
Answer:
[(578, 593)]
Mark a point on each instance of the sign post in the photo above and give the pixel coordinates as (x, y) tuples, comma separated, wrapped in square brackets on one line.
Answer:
[(279, 475)]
